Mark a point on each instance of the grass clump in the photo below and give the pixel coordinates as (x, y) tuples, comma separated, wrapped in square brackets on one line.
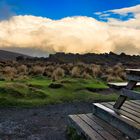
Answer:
[(14, 90), (36, 91)]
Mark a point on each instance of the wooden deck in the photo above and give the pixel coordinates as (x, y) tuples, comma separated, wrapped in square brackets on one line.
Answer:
[(108, 123)]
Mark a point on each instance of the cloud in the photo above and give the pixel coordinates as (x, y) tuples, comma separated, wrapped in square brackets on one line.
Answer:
[(131, 22), (71, 35), (124, 17), (125, 11)]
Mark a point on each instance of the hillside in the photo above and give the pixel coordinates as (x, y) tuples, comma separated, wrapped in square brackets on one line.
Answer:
[(7, 55), (102, 59)]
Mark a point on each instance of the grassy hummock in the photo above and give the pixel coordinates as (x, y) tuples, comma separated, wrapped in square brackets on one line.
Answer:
[(36, 91)]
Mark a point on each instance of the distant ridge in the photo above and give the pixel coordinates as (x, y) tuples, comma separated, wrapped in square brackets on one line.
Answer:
[(8, 55)]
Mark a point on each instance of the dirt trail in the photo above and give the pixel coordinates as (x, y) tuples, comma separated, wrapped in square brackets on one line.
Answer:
[(42, 123)]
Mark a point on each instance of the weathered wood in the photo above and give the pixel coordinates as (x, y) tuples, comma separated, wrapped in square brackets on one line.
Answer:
[(133, 75), (120, 85), (131, 94), (100, 129), (96, 127), (126, 113), (135, 101), (120, 102), (131, 85), (133, 105), (133, 71), (122, 120), (87, 130), (106, 122), (112, 130), (122, 98), (129, 110), (133, 78), (103, 111)]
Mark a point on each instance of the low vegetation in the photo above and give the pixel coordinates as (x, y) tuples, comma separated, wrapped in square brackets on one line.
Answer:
[(39, 90), (14, 70), (35, 84)]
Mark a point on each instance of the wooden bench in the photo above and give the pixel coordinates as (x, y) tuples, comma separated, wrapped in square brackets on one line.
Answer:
[(120, 85), (133, 75), (126, 119), (94, 128), (118, 120)]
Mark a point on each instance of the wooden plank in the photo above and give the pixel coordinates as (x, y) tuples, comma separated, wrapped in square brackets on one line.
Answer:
[(133, 77), (130, 106), (131, 84), (131, 94), (121, 122), (120, 102), (112, 130), (119, 85), (125, 113), (85, 128), (133, 105), (136, 102), (122, 98), (121, 117), (96, 127), (133, 112), (133, 71)]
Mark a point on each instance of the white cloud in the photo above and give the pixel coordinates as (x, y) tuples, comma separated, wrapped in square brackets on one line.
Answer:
[(71, 34), (123, 11)]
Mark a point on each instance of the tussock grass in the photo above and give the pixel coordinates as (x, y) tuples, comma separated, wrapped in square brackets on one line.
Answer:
[(35, 91)]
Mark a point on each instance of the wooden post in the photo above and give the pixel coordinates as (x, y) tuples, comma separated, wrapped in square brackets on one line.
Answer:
[(133, 77)]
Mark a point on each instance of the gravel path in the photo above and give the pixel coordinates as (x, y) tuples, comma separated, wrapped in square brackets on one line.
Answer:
[(43, 123)]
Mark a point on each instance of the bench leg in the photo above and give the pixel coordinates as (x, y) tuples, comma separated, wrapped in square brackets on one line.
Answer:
[(120, 102), (122, 98)]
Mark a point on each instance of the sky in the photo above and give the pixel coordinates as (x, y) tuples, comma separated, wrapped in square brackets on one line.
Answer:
[(40, 27)]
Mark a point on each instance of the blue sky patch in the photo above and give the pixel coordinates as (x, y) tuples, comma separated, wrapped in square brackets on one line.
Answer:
[(57, 9)]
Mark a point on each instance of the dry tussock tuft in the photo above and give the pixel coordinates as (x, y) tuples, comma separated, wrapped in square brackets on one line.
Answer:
[(76, 72), (58, 74), (38, 70), (9, 72), (49, 70), (22, 70), (96, 70)]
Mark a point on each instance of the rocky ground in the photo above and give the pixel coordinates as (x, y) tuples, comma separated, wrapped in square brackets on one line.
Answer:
[(42, 123)]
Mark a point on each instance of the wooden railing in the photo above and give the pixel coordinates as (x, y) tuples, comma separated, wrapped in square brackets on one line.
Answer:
[(133, 76)]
